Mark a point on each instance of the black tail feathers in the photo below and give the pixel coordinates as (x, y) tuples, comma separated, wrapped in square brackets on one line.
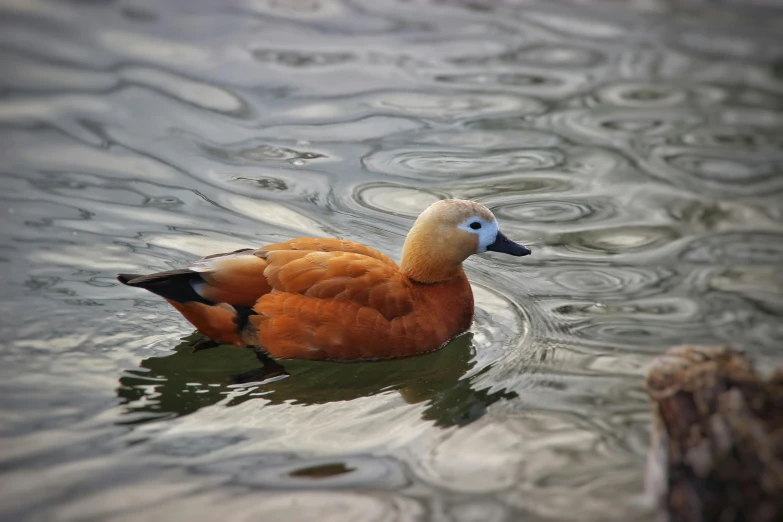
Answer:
[(127, 278), (176, 285)]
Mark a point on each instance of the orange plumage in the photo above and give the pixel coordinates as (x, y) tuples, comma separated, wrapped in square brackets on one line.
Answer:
[(313, 298)]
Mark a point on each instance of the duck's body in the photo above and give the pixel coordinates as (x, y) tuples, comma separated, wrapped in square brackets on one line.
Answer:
[(314, 298)]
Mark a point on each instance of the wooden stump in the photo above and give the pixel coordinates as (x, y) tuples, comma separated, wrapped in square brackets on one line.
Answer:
[(717, 442)]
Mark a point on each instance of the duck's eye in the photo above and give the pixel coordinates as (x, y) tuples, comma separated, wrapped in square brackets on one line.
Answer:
[(475, 225)]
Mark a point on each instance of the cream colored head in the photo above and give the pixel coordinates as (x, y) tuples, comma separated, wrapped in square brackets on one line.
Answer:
[(446, 234)]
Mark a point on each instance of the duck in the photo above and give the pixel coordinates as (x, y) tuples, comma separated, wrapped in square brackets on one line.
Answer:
[(332, 299)]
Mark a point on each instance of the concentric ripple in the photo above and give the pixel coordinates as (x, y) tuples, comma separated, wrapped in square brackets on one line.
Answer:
[(751, 139), (618, 240), (510, 79), (337, 473), (556, 55), (555, 210), (656, 95), (755, 248), (426, 105), (625, 124), (295, 58), (264, 153), (394, 199), (488, 135), (418, 163), (617, 333), (500, 325), (610, 282), (720, 170)]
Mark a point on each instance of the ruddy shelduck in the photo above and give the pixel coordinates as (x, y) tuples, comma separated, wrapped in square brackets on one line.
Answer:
[(312, 298)]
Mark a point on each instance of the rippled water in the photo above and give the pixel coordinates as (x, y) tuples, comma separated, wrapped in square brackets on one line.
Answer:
[(636, 147)]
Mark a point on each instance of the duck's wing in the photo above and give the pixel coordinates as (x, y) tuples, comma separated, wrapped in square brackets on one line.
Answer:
[(238, 277), (361, 279), (334, 305)]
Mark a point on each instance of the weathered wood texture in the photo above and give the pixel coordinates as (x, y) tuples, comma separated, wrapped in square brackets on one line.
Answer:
[(717, 451)]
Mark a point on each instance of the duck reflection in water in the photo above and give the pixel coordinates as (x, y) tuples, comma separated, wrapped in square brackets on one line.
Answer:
[(184, 382)]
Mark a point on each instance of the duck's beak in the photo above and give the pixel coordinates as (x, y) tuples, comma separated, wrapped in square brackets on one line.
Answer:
[(506, 246)]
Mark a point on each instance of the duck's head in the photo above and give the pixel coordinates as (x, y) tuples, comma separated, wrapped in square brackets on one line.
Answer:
[(446, 234)]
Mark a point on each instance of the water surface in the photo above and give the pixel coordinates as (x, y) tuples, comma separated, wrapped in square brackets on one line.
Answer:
[(635, 147)]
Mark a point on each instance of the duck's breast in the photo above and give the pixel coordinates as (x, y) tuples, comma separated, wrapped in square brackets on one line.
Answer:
[(447, 307)]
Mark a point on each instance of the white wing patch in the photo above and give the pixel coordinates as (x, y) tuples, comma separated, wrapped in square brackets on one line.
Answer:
[(197, 286), (212, 264)]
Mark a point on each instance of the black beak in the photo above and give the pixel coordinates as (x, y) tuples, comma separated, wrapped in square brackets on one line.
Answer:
[(506, 246)]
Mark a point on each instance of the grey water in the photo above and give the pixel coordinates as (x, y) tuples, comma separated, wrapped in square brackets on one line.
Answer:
[(636, 147)]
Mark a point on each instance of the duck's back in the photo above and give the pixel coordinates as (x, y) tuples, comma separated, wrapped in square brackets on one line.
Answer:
[(238, 278)]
